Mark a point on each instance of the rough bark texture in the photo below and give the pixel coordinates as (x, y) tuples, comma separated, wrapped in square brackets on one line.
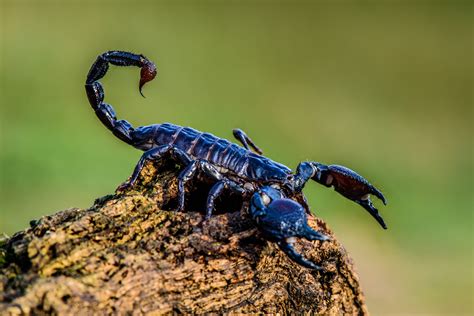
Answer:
[(131, 254)]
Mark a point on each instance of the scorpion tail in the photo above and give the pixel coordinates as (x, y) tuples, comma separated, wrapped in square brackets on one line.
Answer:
[(95, 93)]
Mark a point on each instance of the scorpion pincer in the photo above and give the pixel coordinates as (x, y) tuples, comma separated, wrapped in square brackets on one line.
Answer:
[(277, 204)]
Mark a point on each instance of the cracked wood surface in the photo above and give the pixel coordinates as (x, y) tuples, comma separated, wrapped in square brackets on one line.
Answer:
[(130, 253)]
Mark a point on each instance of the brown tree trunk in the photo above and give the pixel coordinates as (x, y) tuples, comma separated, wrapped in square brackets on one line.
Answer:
[(131, 253)]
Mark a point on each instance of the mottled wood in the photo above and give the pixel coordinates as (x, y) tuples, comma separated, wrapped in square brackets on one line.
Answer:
[(131, 253)]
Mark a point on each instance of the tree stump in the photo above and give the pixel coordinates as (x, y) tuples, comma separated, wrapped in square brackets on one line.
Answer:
[(130, 253)]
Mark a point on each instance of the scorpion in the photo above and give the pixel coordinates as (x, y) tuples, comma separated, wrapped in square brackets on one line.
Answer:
[(277, 205)]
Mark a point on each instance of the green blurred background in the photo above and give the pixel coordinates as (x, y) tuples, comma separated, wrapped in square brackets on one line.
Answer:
[(385, 89)]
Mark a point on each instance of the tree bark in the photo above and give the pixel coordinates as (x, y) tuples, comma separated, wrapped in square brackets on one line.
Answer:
[(130, 253)]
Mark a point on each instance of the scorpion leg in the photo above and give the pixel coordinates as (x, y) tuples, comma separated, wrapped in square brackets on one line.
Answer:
[(185, 175), (155, 154), (217, 190), (209, 170), (345, 181), (245, 140)]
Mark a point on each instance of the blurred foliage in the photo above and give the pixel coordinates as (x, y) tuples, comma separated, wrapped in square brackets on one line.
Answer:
[(385, 89)]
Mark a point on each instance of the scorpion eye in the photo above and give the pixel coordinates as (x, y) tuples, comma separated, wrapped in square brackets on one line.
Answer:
[(266, 199), (269, 194)]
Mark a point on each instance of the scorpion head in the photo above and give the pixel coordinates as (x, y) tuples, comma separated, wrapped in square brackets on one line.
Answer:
[(282, 220)]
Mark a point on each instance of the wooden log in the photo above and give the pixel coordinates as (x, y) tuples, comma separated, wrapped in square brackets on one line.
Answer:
[(130, 253)]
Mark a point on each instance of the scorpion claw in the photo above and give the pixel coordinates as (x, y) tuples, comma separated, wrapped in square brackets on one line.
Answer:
[(352, 186), (312, 234), (147, 73), (379, 195), (283, 220), (367, 204), (287, 247)]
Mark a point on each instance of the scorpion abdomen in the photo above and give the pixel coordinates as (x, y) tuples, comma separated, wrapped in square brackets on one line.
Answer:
[(218, 151)]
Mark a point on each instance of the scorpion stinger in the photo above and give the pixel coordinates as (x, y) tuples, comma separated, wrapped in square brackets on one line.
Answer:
[(283, 220)]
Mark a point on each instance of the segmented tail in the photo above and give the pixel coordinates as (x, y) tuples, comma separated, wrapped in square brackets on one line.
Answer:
[(95, 92)]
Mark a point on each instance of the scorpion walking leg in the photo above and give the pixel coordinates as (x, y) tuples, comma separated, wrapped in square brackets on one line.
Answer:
[(209, 170), (344, 180), (185, 175), (245, 140), (217, 190), (156, 154)]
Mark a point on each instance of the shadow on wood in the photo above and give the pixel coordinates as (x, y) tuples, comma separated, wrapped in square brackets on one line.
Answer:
[(131, 252)]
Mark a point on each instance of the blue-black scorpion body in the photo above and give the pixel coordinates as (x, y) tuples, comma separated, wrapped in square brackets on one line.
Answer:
[(218, 151), (277, 204)]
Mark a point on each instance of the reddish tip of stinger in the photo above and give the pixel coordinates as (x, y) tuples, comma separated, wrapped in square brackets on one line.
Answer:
[(147, 73)]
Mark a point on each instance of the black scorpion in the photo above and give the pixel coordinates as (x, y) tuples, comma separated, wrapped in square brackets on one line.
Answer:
[(277, 204)]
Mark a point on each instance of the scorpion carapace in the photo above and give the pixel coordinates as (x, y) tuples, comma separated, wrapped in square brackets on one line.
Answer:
[(277, 205)]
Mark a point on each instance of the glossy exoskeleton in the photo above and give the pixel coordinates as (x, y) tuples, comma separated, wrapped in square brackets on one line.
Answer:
[(277, 204)]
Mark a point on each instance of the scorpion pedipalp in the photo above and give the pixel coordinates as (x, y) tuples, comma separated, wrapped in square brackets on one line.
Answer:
[(283, 220), (350, 185)]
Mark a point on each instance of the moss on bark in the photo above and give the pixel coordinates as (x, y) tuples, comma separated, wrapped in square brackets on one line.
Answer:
[(131, 253)]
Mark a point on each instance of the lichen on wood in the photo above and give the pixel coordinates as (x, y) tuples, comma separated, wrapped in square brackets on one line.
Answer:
[(132, 253)]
